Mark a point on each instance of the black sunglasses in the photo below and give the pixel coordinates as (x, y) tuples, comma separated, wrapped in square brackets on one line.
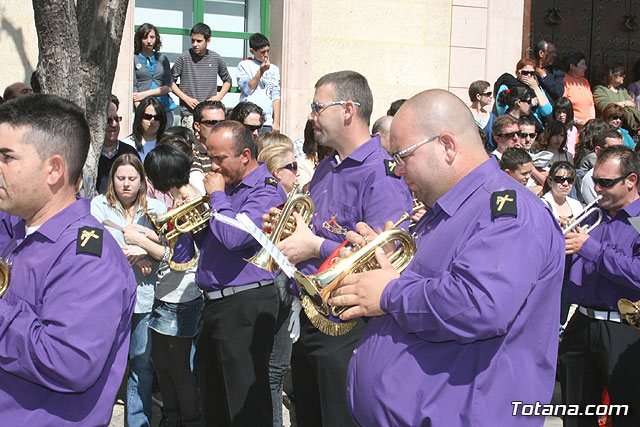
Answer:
[(114, 119), (293, 166), (619, 73), (609, 182), (561, 179), (527, 73), (508, 135), (615, 118), (526, 101), (253, 128), (151, 116), (485, 94), (527, 135), (209, 122)]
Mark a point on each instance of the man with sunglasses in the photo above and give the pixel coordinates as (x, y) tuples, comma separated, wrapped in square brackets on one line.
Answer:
[(607, 138), (356, 182), (506, 134), (599, 349), (205, 116), (251, 115), (452, 340)]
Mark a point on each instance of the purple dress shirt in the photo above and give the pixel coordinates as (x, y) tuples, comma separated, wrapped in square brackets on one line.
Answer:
[(354, 190), (472, 323), (607, 267), (224, 249), (64, 325)]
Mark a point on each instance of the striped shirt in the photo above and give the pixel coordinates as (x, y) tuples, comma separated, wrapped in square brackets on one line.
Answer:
[(199, 76)]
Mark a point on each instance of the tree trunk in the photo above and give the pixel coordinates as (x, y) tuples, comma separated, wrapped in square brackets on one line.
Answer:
[(79, 46)]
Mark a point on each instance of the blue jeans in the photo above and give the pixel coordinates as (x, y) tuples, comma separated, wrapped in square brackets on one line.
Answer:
[(140, 373)]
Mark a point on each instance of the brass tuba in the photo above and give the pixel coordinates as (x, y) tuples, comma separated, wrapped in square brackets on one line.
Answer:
[(5, 276), (190, 217), (285, 225), (317, 288), (631, 311)]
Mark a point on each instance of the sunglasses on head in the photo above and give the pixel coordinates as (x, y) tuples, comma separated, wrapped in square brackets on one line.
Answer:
[(562, 179), (609, 182), (508, 134), (293, 166), (209, 122), (527, 135), (527, 73), (253, 128), (151, 116)]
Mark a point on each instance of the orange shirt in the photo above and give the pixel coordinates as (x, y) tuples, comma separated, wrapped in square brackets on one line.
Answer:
[(579, 92)]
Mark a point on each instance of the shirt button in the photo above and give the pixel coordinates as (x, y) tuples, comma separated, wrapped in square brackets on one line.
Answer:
[(355, 351), (348, 388), (429, 227), (326, 191)]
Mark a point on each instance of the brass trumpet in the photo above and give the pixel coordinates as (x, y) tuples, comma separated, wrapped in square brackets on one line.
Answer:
[(588, 212), (191, 217), (285, 225), (5, 276), (631, 311), (318, 287)]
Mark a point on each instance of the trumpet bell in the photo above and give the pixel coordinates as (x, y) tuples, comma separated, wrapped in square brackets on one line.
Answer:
[(190, 217), (631, 311), (5, 277), (589, 211)]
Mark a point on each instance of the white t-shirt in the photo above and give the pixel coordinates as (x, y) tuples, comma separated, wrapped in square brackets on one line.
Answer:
[(267, 90)]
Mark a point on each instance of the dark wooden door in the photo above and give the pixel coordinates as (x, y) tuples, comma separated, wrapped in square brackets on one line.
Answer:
[(605, 30)]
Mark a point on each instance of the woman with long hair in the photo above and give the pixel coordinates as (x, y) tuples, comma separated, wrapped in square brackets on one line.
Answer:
[(556, 190), (613, 114), (124, 210), (151, 69), (148, 126), (554, 140), (563, 112)]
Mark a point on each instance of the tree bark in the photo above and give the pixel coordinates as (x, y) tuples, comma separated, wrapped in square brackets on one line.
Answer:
[(79, 46)]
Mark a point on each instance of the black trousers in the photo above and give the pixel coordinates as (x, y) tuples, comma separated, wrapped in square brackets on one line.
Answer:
[(319, 365), (595, 354), (232, 356)]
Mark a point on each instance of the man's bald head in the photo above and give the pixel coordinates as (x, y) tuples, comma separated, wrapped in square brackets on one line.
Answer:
[(382, 127), (16, 90), (436, 111)]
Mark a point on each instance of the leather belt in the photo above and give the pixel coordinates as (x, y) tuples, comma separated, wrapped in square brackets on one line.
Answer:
[(612, 316), (232, 290)]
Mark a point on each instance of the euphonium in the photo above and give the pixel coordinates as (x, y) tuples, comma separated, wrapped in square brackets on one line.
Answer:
[(285, 225), (5, 276), (192, 217), (631, 311), (318, 287), (588, 211)]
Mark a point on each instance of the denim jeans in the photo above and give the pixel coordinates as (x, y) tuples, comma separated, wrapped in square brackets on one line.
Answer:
[(140, 372), (281, 351)]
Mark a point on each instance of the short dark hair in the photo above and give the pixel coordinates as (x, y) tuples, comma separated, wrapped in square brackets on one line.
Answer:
[(54, 126), (541, 45), (378, 126), (526, 121), (183, 132), (167, 167), (477, 88), (514, 157), (202, 28), (629, 161), (114, 100), (508, 97), (395, 106), (206, 105), (501, 122), (243, 109), (257, 41), (564, 104), (308, 147), (142, 32), (137, 121), (178, 142), (600, 140), (572, 57), (242, 137), (351, 86)]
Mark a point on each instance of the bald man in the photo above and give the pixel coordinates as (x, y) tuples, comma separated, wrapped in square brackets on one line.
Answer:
[(471, 325), (382, 127), (16, 90)]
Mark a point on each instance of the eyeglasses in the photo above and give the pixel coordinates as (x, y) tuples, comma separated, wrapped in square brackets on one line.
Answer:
[(527, 135), (253, 128), (616, 118), (486, 94), (293, 166), (509, 135), (526, 101), (404, 153), (151, 116), (209, 122), (315, 107), (527, 73), (562, 179), (619, 73), (117, 119), (609, 182)]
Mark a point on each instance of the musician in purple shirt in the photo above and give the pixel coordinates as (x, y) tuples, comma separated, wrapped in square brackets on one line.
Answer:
[(471, 325), (599, 349), (241, 308), (356, 182), (66, 317)]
